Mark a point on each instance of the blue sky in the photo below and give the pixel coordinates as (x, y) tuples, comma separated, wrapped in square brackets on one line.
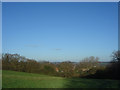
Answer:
[(60, 31)]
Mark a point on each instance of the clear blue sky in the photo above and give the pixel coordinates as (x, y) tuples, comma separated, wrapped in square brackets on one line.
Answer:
[(60, 31)]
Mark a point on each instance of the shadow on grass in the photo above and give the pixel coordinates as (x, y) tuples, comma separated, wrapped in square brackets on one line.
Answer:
[(92, 83), (108, 78), (101, 79)]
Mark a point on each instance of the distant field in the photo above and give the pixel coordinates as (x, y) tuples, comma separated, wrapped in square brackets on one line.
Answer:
[(12, 79)]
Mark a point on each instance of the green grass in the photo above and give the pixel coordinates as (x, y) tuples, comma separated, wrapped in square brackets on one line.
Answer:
[(12, 79)]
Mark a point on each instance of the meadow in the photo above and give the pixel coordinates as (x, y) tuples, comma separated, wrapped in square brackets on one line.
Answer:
[(13, 79)]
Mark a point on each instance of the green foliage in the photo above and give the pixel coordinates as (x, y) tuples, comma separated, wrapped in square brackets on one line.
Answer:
[(48, 69), (16, 62)]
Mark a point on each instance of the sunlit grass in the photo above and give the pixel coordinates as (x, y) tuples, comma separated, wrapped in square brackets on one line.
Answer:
[(12, 79)]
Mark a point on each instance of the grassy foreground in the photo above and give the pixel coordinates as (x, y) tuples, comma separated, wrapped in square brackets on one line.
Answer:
[(12, 79)]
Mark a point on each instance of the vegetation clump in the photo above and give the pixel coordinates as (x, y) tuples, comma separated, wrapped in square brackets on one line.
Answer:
[(88, 67)]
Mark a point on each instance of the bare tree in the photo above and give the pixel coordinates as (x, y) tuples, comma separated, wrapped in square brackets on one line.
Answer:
[(87, 65), (66, 69)]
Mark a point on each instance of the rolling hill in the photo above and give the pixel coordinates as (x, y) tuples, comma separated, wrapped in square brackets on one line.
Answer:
[(13, 79)]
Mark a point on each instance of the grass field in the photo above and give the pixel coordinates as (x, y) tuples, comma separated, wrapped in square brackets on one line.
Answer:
[(12, 79)]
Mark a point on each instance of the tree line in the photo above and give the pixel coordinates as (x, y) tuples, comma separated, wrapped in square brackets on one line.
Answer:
[(88, 67)]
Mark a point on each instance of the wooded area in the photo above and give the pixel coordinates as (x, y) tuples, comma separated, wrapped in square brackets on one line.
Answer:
[(88, 67)]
